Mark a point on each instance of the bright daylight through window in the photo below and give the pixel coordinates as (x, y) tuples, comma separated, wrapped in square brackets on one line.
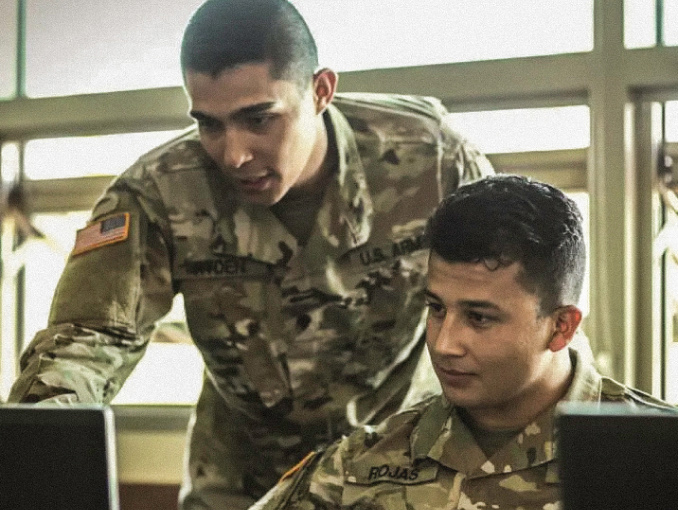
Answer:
[(546, 134)]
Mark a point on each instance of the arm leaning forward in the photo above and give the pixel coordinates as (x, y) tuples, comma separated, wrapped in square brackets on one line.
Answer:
[(116, 284)]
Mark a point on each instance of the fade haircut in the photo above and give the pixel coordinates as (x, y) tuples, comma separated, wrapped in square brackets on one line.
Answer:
[(223, 34), (504, 219)]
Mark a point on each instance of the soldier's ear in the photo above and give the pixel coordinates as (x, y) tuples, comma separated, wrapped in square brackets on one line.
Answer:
[(324, 86), (566, 320)]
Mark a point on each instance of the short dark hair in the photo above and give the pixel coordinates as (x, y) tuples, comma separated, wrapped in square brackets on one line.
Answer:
[(223, 34), (503, 219)]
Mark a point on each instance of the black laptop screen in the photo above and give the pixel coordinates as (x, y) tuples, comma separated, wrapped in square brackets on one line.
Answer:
[(55, 458), (616, 457)]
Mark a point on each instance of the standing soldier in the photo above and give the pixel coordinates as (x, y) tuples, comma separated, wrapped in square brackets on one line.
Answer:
[(291, 220)]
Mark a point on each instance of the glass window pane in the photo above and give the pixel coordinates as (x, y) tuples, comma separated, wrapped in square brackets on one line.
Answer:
[(115, 45), (359, 34), (81, 46), (83, 156), (526, 129), (670, 22), (668, 249), (671, 340), (671, 121), (44, 261), (171, 370), (167, 374), (639, 24), (8, 53), (9, 163)]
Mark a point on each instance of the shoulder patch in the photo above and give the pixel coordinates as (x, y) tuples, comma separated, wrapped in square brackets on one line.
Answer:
[(109, 230)]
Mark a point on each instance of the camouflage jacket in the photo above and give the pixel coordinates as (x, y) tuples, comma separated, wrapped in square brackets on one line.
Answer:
[(426, 458), (308, 329)]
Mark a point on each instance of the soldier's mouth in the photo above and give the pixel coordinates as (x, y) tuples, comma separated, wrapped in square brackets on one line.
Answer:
[(256, 183), (452, 377)]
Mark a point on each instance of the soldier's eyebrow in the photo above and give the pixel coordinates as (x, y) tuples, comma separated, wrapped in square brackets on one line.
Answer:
[(432, 295), (468, 303), (200, 116), (242, 112), (473, 303), (256, 108)]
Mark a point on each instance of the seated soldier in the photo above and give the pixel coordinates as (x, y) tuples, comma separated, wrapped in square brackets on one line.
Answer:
[(505, 274)]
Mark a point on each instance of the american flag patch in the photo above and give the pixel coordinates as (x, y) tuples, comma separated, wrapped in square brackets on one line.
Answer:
[(107, 231)]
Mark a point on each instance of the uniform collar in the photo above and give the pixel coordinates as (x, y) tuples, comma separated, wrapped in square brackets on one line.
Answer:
[(345, 218), (441, 435), (586, 383)]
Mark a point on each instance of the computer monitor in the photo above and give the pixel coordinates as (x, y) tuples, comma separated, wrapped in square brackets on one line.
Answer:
[(613, 456), (57, 458)]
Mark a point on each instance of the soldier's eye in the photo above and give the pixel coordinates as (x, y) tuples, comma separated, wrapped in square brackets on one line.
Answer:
[(435, 309), (480, 319)]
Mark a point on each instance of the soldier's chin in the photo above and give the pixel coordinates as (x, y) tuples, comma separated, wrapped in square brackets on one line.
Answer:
[(459, 399), (266, 197)]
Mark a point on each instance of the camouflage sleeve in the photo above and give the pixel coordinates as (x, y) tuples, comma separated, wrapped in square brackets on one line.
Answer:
[(461, 162), (316, 483), (103, 311)]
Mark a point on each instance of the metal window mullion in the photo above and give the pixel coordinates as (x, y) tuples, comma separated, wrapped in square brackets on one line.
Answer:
[(20, 280), (611, 324), (21, 49), (651, 353), (21, 275), (659, 22)]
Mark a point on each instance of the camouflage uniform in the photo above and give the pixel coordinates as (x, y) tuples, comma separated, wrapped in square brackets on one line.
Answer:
[(426, 458), (300, 343)]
